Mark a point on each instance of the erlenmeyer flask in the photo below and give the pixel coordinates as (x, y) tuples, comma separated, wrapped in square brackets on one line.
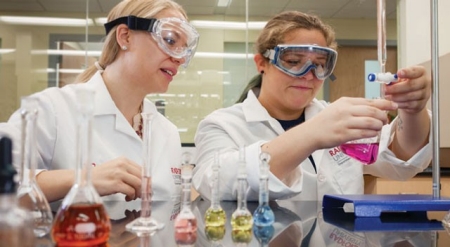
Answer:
[(29, 193), (364, 150), (146, 225), (82, 220)]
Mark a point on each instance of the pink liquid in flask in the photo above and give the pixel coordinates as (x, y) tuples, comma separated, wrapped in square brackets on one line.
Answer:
[(365, 152)]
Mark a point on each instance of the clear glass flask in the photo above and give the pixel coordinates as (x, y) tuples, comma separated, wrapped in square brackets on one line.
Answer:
[(215, 235), (16, 223), (241, 219), (185, 223), (215, 216), (263, 234), (263, 214), (82, 219), (146, 225), (364, 150), (29, 193)]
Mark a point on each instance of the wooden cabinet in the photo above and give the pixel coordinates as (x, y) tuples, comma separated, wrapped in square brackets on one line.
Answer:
[(416, 185)]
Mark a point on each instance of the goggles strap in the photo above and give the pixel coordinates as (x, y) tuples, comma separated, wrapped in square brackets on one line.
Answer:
[(270, 54), (133, 23)]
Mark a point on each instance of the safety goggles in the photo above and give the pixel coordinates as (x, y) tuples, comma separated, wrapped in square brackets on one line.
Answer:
[(298, 60), (176, 37)]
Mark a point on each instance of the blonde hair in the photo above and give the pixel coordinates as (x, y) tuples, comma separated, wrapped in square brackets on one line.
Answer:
[(280, 25), (139, 8)]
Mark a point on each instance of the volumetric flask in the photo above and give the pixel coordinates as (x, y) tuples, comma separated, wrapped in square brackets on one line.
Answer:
[(29, 193), (82, 219)]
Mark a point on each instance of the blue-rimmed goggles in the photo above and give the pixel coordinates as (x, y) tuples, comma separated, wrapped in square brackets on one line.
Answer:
[(298, 60), (176, 37)]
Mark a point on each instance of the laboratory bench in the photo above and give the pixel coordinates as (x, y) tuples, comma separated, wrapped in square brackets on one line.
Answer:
[(296, 224)]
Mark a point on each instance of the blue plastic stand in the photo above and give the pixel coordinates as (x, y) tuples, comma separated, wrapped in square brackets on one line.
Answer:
[(389, 222), (374, 205)]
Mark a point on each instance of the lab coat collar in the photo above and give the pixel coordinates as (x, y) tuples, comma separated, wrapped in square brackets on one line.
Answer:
[(255, 112), (104, 104)]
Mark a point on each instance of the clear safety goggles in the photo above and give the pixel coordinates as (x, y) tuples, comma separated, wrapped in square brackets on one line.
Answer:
[(176, 37), (298, 60)]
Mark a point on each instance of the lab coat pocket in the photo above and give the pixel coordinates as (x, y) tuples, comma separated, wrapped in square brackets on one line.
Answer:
[(349, 177)]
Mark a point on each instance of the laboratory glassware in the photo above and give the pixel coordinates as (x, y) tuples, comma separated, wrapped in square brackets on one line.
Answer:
[(263, 234), (29, 193), (146, 225), (215, 216), (263, 214), (16, 223), (241, 219), (365, 150), (82, 219), (186, 223)]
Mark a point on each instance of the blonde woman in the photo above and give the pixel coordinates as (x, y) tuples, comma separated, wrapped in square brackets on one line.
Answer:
[(141, 55)]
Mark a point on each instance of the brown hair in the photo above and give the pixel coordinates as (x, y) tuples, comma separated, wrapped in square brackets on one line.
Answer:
[(139, 8), (274, 33), (278, 26)]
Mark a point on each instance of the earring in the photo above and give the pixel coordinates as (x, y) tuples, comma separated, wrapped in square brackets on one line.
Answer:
[(262, 71), (124, 48)]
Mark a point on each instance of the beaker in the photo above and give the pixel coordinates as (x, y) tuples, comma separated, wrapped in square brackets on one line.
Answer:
[(82, 219), (29, 193), (146, 225)]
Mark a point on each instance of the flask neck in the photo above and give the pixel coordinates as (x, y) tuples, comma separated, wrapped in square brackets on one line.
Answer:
[(84, 164), (241, 194), (263, 191)]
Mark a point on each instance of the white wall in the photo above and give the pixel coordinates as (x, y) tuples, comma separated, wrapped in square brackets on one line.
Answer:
[(414, 47)]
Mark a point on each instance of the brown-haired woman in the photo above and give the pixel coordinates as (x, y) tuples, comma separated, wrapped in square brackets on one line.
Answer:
[(295, 53)]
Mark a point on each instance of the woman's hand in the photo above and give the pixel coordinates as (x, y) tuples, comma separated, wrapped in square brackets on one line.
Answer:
[(412, 91), (349, 119), (119, 175)]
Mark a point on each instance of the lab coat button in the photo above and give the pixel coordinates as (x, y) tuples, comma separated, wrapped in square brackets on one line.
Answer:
[(321, 177)]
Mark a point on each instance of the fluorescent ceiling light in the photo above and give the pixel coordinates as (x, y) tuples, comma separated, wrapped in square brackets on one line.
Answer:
[(222, 55), (5, 51), (66, 52), (44, 21), (98, 53), (67, 71), (223, 3), (256, 25), (100, 20)]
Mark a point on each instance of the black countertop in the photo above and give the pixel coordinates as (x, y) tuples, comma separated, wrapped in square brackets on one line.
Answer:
[(296, 224)]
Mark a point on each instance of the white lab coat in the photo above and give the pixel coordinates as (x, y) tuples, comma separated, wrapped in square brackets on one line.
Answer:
[(250, 124), (112, 136)]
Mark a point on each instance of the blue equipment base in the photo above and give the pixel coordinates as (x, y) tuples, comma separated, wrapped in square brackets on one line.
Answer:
[(374, 205), (387, 222)]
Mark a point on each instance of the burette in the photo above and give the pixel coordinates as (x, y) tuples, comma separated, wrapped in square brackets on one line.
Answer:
[(382, 76), (381, 41), (381, 29)]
